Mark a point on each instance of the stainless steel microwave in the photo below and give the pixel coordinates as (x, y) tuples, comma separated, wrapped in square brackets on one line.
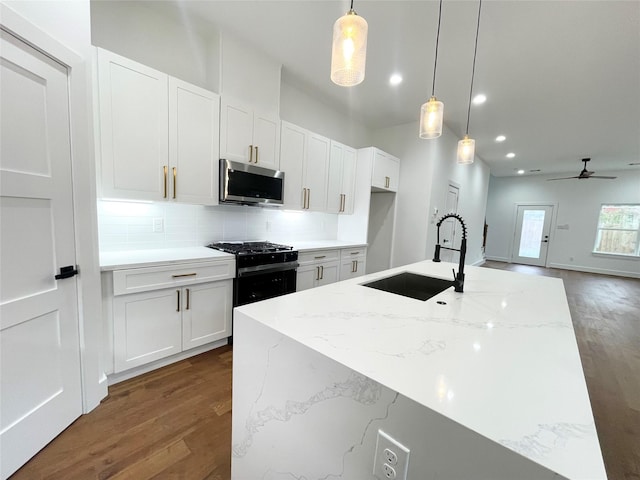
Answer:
[(245, 184)]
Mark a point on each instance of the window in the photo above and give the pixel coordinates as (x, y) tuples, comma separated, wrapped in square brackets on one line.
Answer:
[(618, 230)]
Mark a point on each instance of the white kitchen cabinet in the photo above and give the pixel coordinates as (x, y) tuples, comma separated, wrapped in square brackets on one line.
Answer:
[(317, 268), (352, 262), (159, 311), (304, 157), (159, 136), (386, 171), (249, 136), (194, 147), (206, 313), (342, 179), (146, 327), (133, 104)]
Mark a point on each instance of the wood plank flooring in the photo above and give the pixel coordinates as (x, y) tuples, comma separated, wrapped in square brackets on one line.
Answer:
[(175, 422)]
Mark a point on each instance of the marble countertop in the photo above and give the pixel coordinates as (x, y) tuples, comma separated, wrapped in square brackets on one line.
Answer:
[(500, 358), (158, 257), (325, 245)]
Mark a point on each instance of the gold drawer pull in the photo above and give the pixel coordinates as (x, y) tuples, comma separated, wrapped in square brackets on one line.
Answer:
[(165, 170), (184, 275), (355, 253), (175, 181), (321, 256)]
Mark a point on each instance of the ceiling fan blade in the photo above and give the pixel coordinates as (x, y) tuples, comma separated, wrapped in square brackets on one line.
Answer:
[(600, 176), (563, 178)]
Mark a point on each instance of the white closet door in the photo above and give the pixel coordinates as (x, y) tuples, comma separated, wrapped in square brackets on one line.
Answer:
[(40, 389)]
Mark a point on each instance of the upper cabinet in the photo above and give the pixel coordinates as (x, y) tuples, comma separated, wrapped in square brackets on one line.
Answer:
[(247, 135), (193, 143), (158, 135), (304, 157), (386, 171), (342, 179)]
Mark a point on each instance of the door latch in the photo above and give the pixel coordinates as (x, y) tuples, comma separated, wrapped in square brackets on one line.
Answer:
[(67, 272)]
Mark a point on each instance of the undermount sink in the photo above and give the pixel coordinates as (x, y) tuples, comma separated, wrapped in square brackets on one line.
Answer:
[(411, 285)]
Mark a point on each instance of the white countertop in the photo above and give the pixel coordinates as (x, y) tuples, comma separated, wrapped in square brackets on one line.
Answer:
[(500, 358), (160, 256), (168, 256), (324, 245)]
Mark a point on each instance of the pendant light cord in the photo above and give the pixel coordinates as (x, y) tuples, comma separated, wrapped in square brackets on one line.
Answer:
[(435, 63), (473, 69), (351, 5)]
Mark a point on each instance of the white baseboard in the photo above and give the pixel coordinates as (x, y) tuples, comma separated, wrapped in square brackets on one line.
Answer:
[(602, 271), (479, 262), (134, 372), (498, 259)]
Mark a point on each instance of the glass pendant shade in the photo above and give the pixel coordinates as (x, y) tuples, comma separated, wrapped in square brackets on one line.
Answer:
[(431, 118), (466, 150), (349, 51)]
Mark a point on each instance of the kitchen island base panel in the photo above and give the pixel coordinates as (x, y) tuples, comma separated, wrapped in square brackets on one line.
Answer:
[(300, 414)]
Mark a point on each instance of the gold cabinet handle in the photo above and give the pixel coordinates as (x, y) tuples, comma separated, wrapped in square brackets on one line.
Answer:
[(317, 273), (344, 201), (178, 296), (321, 272), (355, 253), (308, 197), (175, 180), (165, 170), (250, 153), (387, 180), (304, 198), (188, 295), (256, 154), (319, 257), (178, 275)]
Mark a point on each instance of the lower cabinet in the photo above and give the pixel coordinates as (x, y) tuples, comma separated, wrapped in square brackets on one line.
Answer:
[(152, 325), (352, 262), (156, 312), (317, 268)]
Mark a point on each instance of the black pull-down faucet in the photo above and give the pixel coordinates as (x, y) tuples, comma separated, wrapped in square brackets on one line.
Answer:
[(458, 279)]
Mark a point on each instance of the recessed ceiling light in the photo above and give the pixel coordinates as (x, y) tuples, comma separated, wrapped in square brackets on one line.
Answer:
[(510, 155), (520, 172), (395, 79), (500, 138), (479, 99)]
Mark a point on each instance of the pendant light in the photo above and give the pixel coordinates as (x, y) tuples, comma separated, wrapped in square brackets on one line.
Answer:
[(467, 146), (349, 50), (432, 111)]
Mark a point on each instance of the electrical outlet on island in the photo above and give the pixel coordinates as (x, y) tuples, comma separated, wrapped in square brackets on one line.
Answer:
[(391, 460)]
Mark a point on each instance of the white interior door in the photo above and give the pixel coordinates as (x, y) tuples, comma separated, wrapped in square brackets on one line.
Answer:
[(533, 224), (40, 389), (449, 226)]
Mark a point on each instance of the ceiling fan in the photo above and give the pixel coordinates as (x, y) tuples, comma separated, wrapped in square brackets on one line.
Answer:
[(584, 174)]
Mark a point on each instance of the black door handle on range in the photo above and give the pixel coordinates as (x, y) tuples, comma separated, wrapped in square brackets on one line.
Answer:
[(67, 272)]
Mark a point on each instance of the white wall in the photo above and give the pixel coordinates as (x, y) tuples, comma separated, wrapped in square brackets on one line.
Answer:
[(307, 111), (426, 166), (130, 225), (157, 38), (578, 205)]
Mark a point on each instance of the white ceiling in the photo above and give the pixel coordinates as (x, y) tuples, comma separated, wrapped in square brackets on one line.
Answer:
[(562, 78)]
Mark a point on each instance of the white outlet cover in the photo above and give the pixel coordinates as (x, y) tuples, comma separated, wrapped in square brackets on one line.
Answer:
[(386, 442)]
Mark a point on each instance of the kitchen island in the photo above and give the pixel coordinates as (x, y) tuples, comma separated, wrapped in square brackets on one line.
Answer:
[(485, 384)]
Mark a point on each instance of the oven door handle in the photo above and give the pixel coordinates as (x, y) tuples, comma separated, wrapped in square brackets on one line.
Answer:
[(270, 268)]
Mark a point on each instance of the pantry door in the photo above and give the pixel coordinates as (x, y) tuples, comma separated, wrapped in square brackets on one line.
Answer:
[(533, 226), (40, 377)]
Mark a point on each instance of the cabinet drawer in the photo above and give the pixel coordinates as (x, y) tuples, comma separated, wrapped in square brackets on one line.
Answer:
[(318, 256), (154, 278), (352, 253)]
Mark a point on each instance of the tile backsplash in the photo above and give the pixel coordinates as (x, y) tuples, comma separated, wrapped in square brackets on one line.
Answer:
[(141, 226)]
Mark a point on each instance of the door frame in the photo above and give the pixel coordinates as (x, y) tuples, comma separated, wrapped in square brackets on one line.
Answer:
[(80, 77), (514, 224)]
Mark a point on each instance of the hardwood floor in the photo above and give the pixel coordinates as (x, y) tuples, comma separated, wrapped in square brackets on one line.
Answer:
[(175, 423), (172, 423)]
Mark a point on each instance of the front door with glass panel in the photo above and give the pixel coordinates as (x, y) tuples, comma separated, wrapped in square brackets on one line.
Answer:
[(533, 225)]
